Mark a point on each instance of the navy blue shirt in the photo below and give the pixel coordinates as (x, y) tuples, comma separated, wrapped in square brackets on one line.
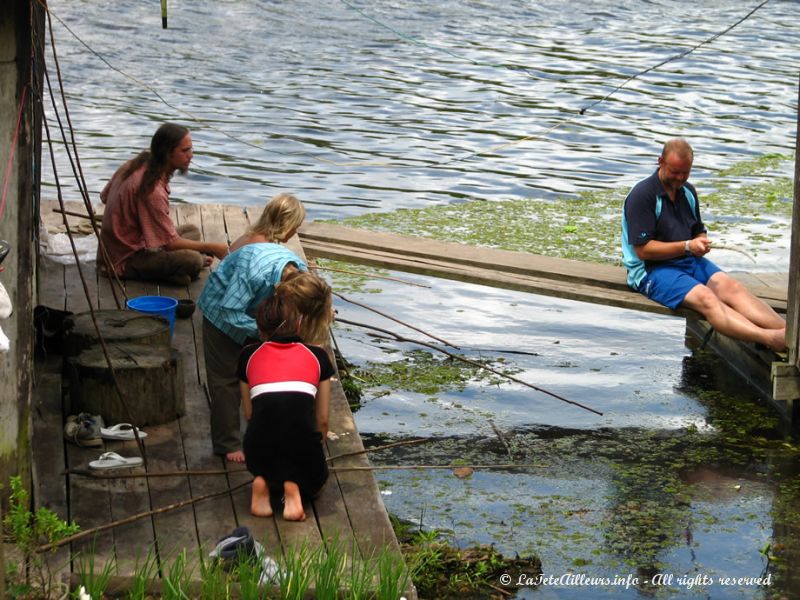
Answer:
[(676, 222)]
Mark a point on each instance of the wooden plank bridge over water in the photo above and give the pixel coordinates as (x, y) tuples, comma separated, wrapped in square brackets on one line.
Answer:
[(596, 283), (349, 508)]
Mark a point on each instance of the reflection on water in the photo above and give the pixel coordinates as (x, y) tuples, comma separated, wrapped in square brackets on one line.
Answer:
[(363, 106), (614, 502), (320, 93), (686, 473)]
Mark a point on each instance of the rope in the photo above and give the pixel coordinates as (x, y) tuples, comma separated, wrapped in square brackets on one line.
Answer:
[(77, 170), (81, 275), (14, 141), (676, 57)]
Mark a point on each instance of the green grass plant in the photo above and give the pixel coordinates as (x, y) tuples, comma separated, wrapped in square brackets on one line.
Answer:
[(214, 579), (177, 579), (393, 575), (359, 579), (440, 570), (93, 580), (328, 565), (145, 570), (27, 530), (294, 573), (248, 573)]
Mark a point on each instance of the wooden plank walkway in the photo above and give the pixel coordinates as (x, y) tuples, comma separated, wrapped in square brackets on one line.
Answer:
[(576, 280), (349, 508)]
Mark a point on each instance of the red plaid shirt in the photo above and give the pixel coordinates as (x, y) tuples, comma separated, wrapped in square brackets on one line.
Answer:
[(130, 225)]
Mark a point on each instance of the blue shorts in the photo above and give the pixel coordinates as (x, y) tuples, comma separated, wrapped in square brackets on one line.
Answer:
[(669, 283)]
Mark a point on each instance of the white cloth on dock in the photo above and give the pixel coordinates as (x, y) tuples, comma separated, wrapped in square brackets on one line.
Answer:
[(5, 303), (5, 311), (57, 247)]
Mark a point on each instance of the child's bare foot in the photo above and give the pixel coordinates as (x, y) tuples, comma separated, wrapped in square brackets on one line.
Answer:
[(292, 502), (237, 457), (259, 501)]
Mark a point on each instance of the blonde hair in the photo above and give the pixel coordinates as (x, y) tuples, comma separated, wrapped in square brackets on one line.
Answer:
[(302, 305), (281, 215)]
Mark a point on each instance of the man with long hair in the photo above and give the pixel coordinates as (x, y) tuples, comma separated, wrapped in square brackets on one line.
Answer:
[(138, 238)]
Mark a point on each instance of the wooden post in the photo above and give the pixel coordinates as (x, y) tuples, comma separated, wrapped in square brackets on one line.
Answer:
[(21, 39), (793, 300), (163, 14), (793, 294)]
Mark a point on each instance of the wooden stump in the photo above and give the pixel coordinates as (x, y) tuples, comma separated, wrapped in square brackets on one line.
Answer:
[(116, 326), (150, 378)]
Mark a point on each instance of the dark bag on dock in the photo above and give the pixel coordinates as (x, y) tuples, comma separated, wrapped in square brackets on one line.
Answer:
[(50, 325)]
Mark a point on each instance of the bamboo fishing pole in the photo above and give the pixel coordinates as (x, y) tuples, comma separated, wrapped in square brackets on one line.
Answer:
[(370, 276), (435, 467), (88, 532), (474, 363), (395, 319)]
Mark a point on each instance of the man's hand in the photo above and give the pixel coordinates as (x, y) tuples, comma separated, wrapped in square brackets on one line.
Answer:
[(700, 246)]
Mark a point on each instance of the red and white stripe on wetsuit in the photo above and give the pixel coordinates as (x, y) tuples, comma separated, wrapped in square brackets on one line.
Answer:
[(283, 367)]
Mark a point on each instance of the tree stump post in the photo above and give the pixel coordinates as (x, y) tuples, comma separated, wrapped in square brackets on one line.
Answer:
[(149, 372)]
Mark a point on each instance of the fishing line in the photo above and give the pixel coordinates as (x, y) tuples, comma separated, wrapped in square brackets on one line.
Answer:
[(676, 57), (153, 91), (581, 112)]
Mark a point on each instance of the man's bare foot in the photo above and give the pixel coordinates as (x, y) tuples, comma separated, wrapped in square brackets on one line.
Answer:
[(292, 502), (237, 457), (777, 340), (259, 502)]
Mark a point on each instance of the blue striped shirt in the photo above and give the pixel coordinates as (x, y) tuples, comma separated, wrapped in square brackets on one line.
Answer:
[(242, 281)]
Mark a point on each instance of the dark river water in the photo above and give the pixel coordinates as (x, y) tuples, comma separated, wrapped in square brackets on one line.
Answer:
[(362, 106)]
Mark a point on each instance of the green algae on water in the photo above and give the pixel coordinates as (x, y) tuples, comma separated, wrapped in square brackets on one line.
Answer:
[(423, 372), (357, 279), (744, 199)]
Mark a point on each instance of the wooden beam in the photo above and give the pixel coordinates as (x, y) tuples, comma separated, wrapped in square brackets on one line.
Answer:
[(574, 280), (793, 309)]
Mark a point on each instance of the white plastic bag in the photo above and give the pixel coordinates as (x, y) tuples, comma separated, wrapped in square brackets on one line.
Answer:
[(5, 303), (58, 247)]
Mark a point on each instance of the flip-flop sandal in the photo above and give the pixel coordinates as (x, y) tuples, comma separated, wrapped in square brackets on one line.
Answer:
[(120, 431), (112, 460)]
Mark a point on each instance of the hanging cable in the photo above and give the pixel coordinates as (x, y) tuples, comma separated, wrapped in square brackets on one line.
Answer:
[(77, 171), (14, 141), (100, 337), (672, 58)]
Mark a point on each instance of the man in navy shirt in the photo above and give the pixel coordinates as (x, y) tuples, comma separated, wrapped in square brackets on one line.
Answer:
[(664, 245)]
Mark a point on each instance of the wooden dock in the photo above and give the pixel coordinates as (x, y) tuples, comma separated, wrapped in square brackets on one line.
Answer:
[(349, 508)]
